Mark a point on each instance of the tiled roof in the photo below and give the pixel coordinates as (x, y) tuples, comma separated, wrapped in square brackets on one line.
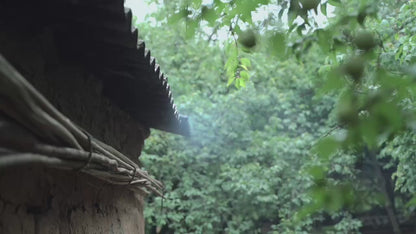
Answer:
[(100, 35)]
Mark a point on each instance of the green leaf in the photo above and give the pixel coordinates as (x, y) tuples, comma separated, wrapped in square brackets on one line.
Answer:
[(237, 83), (232, 62), (336, 3), (324, 39), (412, 202), (246, 62), (244, 75), (334, 80), (317, 172), (323, 9), (230, 81), (327, 147), (175, 18), (191, 26), (242, 83), (209, 14), (278, 44)]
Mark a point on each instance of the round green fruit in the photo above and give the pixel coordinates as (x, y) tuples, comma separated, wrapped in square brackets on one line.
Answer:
[(347, 117), (355, 68), (248, 38), (309, 4), (364, 40)]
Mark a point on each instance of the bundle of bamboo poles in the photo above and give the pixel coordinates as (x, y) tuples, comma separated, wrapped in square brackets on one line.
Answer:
[(28, 120)]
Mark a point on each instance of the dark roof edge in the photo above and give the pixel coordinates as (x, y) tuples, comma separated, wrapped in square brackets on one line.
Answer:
[(179, 124), (100, 34)]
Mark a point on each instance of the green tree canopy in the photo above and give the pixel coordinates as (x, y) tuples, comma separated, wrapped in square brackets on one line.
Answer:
[(317, 134)]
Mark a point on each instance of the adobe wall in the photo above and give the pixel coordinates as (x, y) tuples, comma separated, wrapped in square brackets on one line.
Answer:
[(35, 200), (71, 89), (38, 200)]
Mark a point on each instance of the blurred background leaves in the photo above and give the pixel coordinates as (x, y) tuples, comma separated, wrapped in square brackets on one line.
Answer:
[(302, 120)]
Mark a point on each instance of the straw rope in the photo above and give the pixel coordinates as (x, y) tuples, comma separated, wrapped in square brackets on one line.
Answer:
[(30, 117)]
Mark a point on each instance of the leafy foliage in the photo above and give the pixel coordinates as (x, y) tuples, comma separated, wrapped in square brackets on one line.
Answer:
[(319, 131)]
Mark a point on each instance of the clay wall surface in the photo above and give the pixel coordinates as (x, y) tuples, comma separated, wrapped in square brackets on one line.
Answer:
[(34, 199), (72, 89), (38, 200)]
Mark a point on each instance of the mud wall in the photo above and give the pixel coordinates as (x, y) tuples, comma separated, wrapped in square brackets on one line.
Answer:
[(71, 88), (34, 199), (39, 200)]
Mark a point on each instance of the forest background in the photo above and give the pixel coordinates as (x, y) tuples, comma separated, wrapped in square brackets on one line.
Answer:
[(298, 126)]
